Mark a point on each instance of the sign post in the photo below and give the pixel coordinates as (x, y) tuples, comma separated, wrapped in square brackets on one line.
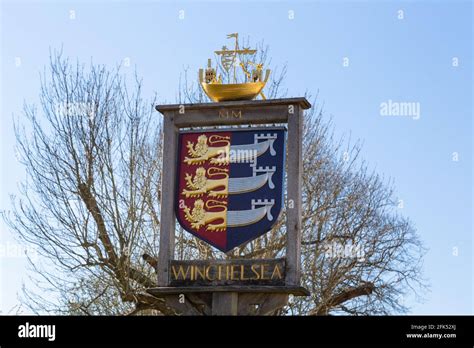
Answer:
[(230, 287), (226, 165)]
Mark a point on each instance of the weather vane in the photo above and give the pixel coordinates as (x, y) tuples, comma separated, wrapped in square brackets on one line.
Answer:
[(251, 82)]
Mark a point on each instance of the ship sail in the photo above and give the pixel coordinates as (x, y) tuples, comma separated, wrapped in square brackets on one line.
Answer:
[(227, 58)]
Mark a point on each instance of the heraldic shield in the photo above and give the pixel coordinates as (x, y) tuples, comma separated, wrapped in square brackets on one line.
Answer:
[(230, 183)]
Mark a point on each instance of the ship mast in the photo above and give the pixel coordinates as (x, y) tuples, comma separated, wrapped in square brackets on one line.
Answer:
[(226, 54), (236, 35)]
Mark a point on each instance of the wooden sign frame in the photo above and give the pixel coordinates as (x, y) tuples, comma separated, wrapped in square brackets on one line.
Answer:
[(289, 111)]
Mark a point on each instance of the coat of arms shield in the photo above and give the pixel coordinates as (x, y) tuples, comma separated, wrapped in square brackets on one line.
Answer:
[(230, 183)]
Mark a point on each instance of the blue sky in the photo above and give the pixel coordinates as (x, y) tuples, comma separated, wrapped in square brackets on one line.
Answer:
[(407, 59)]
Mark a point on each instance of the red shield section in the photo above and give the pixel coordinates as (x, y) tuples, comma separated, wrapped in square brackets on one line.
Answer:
[(201, 204)]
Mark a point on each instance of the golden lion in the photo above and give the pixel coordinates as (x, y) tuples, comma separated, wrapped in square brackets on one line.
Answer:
[(201, 184), (200, 217), (201, 151)]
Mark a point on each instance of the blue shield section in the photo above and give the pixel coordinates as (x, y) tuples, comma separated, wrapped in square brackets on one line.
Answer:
[(270, 161)]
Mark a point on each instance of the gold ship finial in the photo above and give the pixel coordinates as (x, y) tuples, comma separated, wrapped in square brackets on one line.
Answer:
[(253, 81)]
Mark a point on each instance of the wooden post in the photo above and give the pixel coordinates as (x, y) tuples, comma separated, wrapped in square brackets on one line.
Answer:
[(225, 303), (293, 205), (168, 179)]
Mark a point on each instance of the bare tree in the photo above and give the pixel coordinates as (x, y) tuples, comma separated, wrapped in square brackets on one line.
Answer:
[(92, 201)]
